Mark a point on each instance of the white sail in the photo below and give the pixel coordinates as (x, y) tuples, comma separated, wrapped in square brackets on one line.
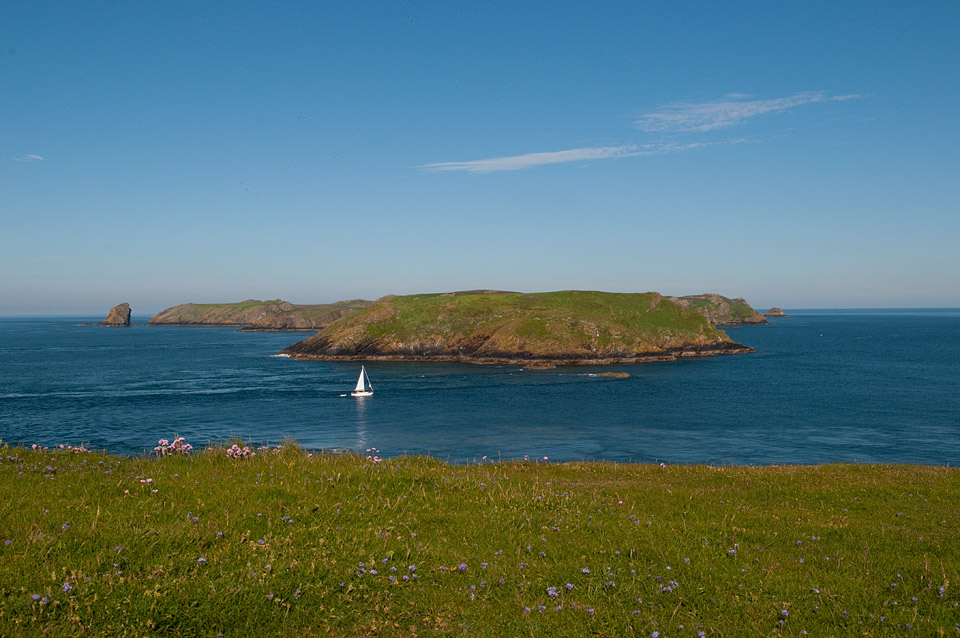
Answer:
[(360, 387)]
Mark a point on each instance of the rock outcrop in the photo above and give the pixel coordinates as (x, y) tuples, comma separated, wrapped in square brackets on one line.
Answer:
[(775, 312), (533, 330), (720, 310), (119, 316)]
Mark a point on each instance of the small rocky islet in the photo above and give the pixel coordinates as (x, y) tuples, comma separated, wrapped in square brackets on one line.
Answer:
[(119, 316)]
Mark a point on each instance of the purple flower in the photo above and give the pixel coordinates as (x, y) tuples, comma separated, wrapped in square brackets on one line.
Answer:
[(67, 586), (584, 571), (201, 560), (590, 610), (462, 567), (569, 586)]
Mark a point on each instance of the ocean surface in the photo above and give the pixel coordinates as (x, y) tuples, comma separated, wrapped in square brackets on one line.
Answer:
[(823, 386)]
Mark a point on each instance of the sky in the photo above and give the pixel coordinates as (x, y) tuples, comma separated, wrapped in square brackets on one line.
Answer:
[(797, 154)]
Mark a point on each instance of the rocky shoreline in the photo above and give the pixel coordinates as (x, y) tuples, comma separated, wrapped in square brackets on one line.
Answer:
[(531, 361)]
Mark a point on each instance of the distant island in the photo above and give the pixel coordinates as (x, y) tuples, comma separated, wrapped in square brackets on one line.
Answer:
[(720, 310), (253, 314), (775, 312), (535, 330)]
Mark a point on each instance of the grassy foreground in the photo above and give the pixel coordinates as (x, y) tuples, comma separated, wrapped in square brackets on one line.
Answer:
[(288, 543)]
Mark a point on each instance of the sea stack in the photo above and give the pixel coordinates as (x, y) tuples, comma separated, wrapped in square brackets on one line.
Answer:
[(119, 316), (775, 312)]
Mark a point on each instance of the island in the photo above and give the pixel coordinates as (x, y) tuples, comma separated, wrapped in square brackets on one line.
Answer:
[(533, 330), (775, 312), (720, 310), (119, 316), (254, 314)]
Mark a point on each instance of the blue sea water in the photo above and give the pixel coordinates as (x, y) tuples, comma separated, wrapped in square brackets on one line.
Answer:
[(823, 386)]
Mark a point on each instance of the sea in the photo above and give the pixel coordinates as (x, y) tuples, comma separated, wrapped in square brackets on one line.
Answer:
[(824, 386)]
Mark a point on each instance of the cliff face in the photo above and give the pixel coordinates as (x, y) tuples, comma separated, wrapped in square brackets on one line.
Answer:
[(720, 310), (258, 315), (543, 328), (118, 316)]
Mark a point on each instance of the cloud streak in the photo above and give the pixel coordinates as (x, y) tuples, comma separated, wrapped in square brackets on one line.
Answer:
[(529, 160), (671, 120), (699, 117), (28, 158)]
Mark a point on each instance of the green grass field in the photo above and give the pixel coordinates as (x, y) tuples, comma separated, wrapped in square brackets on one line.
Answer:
[(288, 543)]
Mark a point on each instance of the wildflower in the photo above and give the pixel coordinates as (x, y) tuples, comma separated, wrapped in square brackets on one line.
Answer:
[(201, 560), (462, 567), (67, 586), (590, 610), (584, 571), (568, 586)]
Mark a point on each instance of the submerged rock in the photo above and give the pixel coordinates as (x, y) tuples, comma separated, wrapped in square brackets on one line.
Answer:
[(119, 316)]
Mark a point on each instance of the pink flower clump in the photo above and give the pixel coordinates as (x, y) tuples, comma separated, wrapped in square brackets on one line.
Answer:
[(179, 446)]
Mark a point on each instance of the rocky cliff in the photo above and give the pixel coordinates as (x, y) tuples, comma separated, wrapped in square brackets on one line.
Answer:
[(118, 316), (541, 329), (253, 314), (720, 310)]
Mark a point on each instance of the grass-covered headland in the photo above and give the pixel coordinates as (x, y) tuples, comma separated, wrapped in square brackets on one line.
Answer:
[(288, 543)]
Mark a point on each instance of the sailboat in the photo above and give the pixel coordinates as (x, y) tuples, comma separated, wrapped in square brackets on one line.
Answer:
[(362, 390)]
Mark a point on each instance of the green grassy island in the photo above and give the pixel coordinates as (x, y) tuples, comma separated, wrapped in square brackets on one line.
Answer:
[(539, 329), (290, 543)]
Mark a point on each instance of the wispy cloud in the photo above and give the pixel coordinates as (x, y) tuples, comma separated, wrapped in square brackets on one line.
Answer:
[(698, 117), (529, 160), (677, 118), (518, 162), (28, 158)]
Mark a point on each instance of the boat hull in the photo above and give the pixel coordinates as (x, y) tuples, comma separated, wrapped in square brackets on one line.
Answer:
[(361, 394)]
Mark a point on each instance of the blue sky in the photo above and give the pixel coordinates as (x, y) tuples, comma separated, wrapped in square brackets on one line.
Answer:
[(796, 154)]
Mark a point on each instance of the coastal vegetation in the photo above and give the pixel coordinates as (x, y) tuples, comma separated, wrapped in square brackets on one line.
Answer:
[(253, 314), (278, 541), (571, 326)]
